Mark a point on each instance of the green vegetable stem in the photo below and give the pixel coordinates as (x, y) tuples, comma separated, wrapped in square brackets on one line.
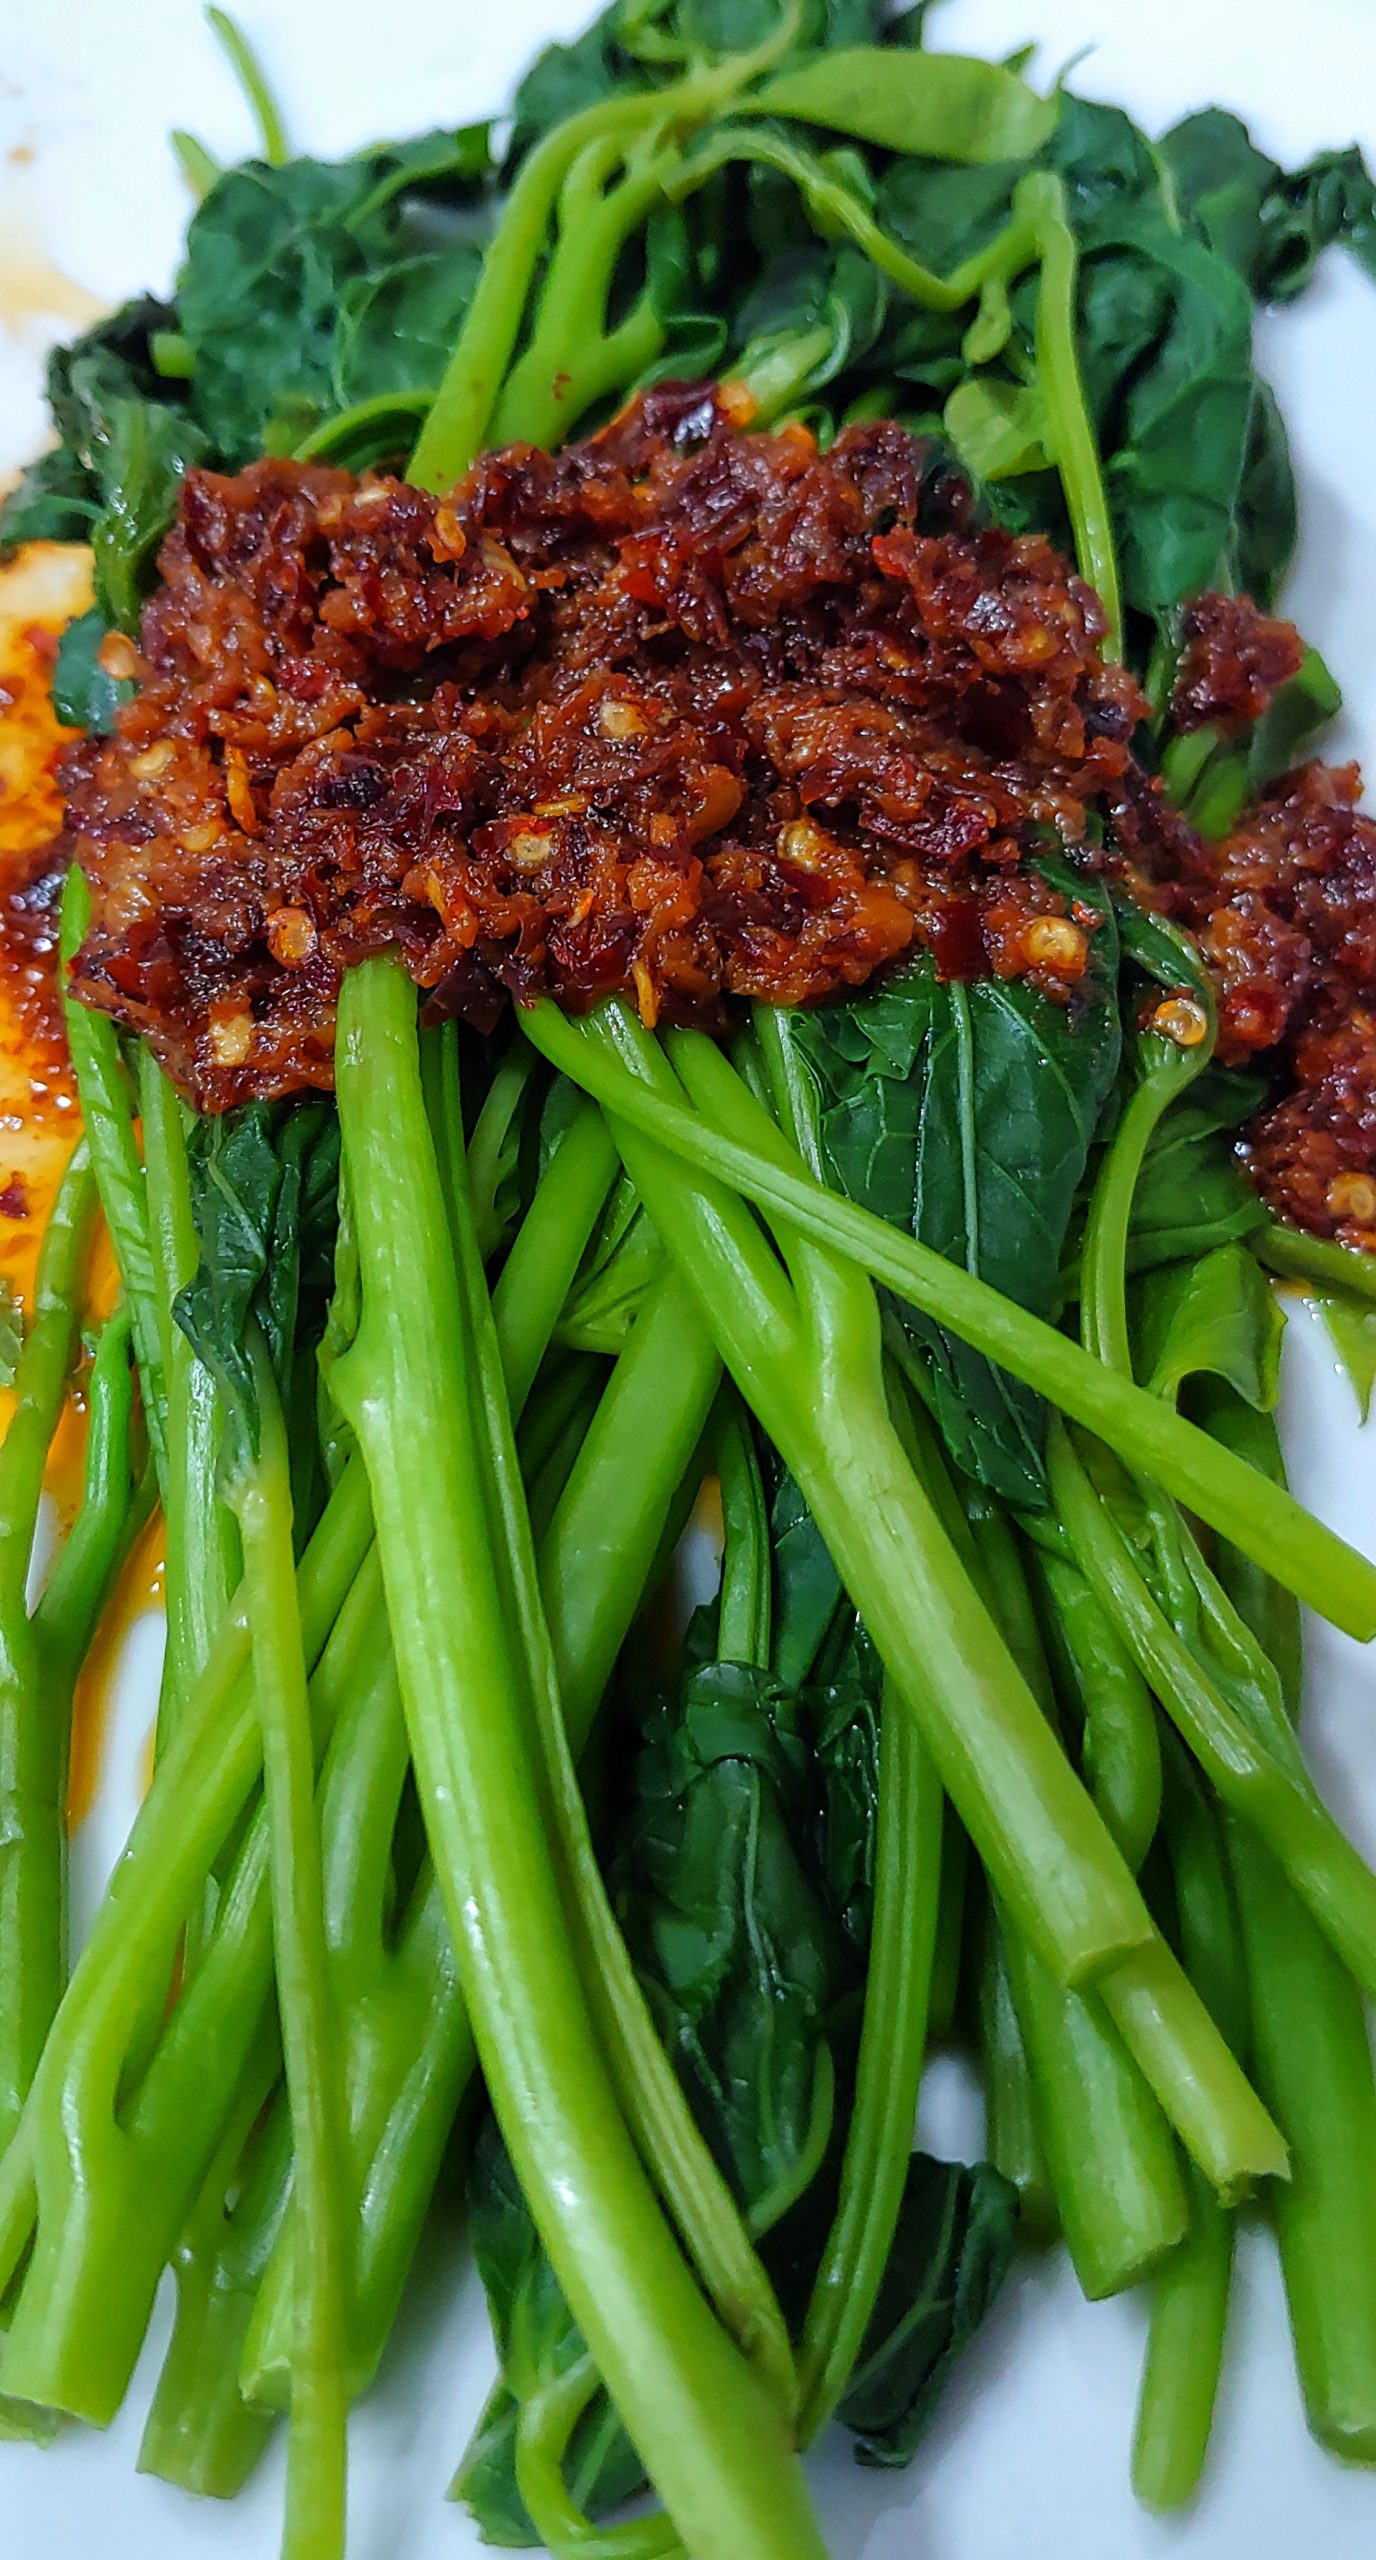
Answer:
[(91, 2206), (1226, 1493), (1312, 2057), (33, 1728), (714, 2445), (259, 1490), (1190, 2298)]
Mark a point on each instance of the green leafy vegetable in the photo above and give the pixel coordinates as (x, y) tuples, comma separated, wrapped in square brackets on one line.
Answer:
[(1193, 1193), (266, 1182), (1270, 226), (956, 2238), (1217, 1317), (83, 694), (746, 1864), (743, 1941), (943, 105), (125, 441), (314, 285), (807, 1585), (800, 197), (965, 1113)]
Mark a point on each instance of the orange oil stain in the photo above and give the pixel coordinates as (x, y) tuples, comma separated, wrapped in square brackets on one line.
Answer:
[(138, 1591), (39, 592), (31, 286), (62, 1476), (39, 1124)]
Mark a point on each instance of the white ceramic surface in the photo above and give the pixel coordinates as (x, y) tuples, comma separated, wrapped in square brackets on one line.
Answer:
[(1029, 2458)]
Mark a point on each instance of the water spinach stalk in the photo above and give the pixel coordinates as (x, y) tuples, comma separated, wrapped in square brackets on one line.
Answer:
[(715, 2445), (33, 1728), (258, 1487)]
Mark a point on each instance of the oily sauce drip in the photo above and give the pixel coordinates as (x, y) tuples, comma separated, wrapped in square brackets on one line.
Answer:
[(38, 1119), (138, 1590)]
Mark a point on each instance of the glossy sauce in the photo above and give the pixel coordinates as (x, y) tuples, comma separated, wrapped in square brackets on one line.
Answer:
[(138, 1590), (38, 1119), (39, 592)]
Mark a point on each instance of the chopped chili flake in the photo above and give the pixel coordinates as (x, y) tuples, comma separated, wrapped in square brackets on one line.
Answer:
[(1234, 662)]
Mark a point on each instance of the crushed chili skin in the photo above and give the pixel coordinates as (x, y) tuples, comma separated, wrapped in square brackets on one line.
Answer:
[(678, 711), (1234, 660), (1285, 911)]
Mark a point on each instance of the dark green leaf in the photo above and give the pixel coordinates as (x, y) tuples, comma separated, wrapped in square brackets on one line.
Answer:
[(1271, 226), (944, 213), (565, 79), (809, 288), (126, 438), (965, 1113), (51, 503), (144, 450), (1105, 162), (1193, 1194), (731, 1926), (1224, 182), (397, 324), (807, 1586), (83, 694), (113, 361), (1015, 1089), (268, 254), (1158, 949), (956, 2237), (738, 26), (1183, 440), (319, 284), (1331, 200), (265, 1190)]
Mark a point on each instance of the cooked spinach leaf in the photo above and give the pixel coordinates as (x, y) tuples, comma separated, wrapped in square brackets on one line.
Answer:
[(1216, 1317), (957, 2233), (320, 283), (727, 1902), (83, 694), (1193, 1194), (807, 1586), (265, 1188), (1269, 225), (964, 1113), (305, 289), (126, 437)]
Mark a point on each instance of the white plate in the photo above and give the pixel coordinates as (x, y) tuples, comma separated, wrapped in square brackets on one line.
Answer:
[(1029, 2458)]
